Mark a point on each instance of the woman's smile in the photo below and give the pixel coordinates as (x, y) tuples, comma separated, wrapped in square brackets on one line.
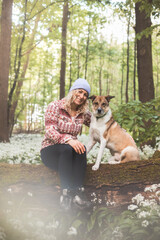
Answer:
[(80, 97)]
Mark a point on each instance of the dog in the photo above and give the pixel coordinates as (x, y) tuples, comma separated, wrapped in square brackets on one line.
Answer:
[(105, 130)]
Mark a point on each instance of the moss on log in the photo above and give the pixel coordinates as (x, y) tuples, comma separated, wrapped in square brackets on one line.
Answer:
[(141, 172), (137, 172)]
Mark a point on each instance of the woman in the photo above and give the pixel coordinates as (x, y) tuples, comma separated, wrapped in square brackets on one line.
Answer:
[(61, 150)]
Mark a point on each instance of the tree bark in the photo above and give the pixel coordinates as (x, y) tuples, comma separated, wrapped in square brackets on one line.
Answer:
[(87, 49), (136, 172), (5, 42), (70, 59), (144, 62), (122, 79), (144, 56), (17, 68), (134, 71), (78, 59), (63, 49), (100, 76), (128, 45)]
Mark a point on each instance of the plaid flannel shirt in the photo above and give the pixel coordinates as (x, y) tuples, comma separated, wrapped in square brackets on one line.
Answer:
[(60, 126)]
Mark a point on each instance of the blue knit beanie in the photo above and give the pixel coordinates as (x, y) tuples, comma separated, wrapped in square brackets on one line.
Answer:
[(81, 83)]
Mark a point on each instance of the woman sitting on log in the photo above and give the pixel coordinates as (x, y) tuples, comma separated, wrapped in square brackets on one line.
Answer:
[(61, 150)]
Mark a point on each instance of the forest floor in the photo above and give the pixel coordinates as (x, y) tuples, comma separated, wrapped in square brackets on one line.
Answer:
[(31, 202)]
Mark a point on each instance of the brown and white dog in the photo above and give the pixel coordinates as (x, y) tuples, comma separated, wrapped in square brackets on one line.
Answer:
[(105, 130)]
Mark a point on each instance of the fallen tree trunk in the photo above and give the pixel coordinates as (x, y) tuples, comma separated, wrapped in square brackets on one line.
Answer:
[(139, 172)]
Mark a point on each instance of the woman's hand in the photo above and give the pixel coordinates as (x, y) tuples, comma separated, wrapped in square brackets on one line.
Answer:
[(78, 146)]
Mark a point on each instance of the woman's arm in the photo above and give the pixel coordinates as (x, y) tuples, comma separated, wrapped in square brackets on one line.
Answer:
[(51, 125), (87, 118)]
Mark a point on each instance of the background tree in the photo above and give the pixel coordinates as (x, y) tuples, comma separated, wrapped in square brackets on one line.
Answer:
[(63, 51), (144, 52), (39, 25), (5, 42)]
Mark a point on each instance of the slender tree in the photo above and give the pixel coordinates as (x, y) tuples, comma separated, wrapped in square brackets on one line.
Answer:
[(122, 73), (87, 48), (19, 84), (17, 67), (134, 71), (144, 54), (144, 59), (5, 42), (128, 46), (63, 49)]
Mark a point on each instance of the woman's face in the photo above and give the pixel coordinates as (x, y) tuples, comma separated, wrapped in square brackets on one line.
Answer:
[(80, 97)]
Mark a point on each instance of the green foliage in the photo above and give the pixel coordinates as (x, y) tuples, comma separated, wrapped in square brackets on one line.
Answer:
[(133, 116), (106, 65)]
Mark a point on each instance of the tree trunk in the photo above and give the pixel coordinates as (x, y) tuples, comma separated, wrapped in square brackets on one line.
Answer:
[(127, 80), (5, 42), (157, 65), (122, 80), (144, 61), (87, 48), (78, 60), (70, 59), (63, 49), (144, 56), (136, 172), (134, 71), (17, 68), (100, 76)]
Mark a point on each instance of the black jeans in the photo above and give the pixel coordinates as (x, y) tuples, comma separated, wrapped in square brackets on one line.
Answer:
[(70, 165)]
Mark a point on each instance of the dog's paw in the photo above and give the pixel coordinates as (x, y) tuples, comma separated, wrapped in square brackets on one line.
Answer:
[(95, 167)]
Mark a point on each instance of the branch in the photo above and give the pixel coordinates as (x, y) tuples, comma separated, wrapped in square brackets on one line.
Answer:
[(44, 9), (19, 60)]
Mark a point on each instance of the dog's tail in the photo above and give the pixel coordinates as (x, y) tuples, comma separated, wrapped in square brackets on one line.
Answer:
[(130, 154)]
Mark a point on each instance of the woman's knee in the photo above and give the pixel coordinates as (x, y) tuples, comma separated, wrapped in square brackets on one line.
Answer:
[(66, 148)]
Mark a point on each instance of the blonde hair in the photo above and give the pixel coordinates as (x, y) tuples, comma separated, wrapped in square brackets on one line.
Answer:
[(70, 98)]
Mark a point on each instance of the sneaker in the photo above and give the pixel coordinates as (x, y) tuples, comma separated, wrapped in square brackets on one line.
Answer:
[(66, 200), (80, 199)]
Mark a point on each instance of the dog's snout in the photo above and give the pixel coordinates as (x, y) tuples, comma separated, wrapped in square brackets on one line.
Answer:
[(99, 110)]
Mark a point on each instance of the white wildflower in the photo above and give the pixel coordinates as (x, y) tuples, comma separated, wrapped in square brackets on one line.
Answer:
[(132, 207), (93, 194), (10, 162), (148, 203), (146, 152), (2, 234), (117, 234), (72, 231), (151, 188), (144, 214), (30, 194), (22, 148), (145, 223), (94, 200), (138, 198), (99, 200), (109, 203)]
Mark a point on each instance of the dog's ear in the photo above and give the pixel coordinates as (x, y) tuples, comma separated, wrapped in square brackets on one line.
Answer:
[(108, 98), (92, 97)]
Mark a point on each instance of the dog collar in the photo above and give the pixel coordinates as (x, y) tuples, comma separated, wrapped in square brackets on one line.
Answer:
[(101, 116)]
